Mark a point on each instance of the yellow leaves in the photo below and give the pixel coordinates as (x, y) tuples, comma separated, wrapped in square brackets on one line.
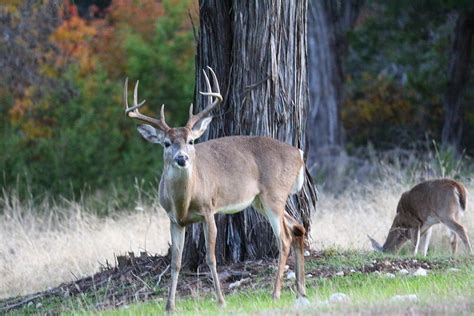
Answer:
[(381, 101), (10, 6), (73, 38), (24, 113)]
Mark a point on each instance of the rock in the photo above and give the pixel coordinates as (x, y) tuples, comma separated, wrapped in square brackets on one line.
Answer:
[(420, 272), (388, 275), (309, 275), (403, 271), (139, 208), (340, 273), (301, 302), (287, 267), (290, 275), (39, 305), (404, 298), (307, 253), (339, 298), (352, 270)]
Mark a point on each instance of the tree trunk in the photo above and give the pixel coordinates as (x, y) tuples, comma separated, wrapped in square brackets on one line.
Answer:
[(258, 50), (458, 75), (328, 23)]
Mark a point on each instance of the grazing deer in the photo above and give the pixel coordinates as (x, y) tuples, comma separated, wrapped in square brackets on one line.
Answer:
[(224, 175), (426, 204)]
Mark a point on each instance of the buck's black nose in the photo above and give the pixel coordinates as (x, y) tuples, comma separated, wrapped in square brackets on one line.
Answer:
[(181, 160)]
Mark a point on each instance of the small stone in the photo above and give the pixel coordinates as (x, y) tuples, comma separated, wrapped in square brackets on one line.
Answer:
[(340, 273), (403, 271), (301, 302), (307, 253), (352, 270), (287, 267), (39, 305), (290, 275), (404, 298), (389, 275), (139, 208), (309, 275), (420, 272), (339, 298)]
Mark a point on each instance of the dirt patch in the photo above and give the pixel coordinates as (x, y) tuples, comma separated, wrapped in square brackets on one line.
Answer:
[(134, 279)]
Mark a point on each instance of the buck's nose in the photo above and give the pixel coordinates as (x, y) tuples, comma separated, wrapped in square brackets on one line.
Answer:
[(181, 160)]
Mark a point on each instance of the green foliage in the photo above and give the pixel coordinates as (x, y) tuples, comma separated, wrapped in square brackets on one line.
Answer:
[(74, 137), (397, 73)]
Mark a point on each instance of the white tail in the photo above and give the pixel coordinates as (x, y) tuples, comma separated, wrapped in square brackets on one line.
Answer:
[(223, 175), (426, 204)]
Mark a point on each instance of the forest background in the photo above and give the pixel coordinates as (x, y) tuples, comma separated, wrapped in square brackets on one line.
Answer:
[(62, 127)]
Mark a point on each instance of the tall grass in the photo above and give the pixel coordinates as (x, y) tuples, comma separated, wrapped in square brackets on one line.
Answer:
[(43, 245)]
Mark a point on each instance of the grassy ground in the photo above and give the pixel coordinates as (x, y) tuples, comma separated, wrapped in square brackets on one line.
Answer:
[(443, 290)]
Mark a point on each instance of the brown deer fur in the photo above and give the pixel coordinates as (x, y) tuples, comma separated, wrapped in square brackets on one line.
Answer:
[(426, 204)]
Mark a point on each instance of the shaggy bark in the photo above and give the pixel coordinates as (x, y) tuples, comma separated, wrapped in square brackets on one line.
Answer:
[(328, 23), (458, 75), (258, 50)]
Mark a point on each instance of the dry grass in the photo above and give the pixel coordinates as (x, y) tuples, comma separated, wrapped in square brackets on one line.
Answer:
[(40, 251)]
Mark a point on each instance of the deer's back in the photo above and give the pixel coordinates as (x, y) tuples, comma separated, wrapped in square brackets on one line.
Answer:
[(433, 197), (249, 163)]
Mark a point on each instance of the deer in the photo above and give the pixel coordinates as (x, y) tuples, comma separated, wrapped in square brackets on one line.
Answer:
[(223, 175), (426, 204)]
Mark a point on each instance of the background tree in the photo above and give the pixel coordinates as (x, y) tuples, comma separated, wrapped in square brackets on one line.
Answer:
[(328, 24), (458, 76), (258, 50)]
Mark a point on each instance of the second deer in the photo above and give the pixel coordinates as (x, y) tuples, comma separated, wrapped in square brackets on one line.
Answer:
[(426, 204)]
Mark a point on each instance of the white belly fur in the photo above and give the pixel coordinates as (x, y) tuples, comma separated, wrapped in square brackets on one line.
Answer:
[(234, 208)]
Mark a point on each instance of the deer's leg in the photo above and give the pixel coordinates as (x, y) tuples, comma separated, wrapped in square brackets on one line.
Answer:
[(210, 234), (425, 240), (177, 244), (297, 245), (416, 239), (461, 231), (453, 239), (275, 214)]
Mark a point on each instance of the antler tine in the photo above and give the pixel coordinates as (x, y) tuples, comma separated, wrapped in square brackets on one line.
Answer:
[(133, 112), (211, 105)]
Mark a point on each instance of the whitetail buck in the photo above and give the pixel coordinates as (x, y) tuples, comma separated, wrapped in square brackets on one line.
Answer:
[(223, 175), (427, 204)]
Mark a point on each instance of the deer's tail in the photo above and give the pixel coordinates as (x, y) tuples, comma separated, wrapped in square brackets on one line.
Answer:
[(461, 193)]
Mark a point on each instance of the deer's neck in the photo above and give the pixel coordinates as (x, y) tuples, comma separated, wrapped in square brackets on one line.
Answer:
[(179, 186)]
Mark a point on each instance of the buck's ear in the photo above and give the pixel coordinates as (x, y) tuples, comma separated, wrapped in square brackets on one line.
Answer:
[(151, 134), (200, 127)]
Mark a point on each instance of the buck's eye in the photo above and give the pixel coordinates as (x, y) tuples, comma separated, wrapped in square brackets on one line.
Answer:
[(167, 144), (191, 142)]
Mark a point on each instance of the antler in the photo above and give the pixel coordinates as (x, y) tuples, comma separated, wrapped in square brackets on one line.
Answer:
[(193, 119), (133, 112)]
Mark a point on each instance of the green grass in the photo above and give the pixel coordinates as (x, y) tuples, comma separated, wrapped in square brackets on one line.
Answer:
[(369, 293), (366, 292)]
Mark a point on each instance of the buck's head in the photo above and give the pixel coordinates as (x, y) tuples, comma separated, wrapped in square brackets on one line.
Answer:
[(178, 143)]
